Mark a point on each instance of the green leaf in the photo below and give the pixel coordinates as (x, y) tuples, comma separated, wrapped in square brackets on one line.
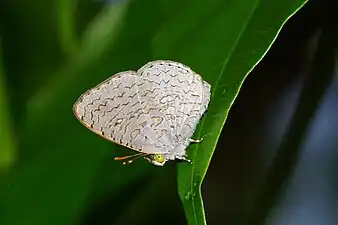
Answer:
[(223, 41), (99, 37), (67, 26), (7, 152), (31, 45)]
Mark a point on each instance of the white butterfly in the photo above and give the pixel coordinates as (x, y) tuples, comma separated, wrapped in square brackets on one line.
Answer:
[(153, 111)]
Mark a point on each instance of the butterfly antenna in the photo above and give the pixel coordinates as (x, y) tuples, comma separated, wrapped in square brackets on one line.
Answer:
[(128, 156), (134, 157)]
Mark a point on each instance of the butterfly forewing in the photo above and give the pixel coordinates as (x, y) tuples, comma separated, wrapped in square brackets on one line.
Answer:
[(112, 109)]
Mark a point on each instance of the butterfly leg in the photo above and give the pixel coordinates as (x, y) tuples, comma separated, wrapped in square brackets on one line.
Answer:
[(146, 158), (184, 158), (195, 141)]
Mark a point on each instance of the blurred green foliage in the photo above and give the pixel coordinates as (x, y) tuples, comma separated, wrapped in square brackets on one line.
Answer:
[(52, 51), (8, 151)]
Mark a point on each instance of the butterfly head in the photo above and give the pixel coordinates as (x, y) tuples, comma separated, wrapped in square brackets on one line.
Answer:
[(157, 159)]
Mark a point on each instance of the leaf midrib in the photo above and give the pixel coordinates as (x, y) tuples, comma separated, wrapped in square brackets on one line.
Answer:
[(203, 120)]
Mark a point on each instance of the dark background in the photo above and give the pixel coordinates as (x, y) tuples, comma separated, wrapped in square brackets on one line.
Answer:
[(261, 169)]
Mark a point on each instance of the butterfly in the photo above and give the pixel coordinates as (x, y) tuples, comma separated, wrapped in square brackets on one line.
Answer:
[(153, 111)]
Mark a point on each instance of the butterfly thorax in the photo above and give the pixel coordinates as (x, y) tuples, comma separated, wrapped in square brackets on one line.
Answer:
[(168, 153)]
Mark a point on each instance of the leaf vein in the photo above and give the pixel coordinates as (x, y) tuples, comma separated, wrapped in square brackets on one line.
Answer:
[(212, 94)]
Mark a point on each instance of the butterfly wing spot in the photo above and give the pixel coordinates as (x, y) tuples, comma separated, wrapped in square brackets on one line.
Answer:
[(156, 121), (143, 124), (135, 133), (118, 121), (166, 99)]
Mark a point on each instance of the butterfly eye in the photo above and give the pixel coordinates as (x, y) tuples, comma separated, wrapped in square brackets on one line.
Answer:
[(159, 158)]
